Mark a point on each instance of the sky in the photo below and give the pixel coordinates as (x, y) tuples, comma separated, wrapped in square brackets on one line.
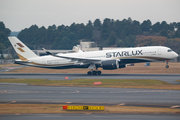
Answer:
[(20, 14)]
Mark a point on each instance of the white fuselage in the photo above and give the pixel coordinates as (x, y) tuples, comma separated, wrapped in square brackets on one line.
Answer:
[(124, 55), (107, 59)]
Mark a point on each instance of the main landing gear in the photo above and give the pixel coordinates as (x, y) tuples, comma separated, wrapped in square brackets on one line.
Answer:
[(93, 72), (167, 66)]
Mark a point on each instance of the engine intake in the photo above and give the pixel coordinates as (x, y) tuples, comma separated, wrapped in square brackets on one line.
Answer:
[(110, 64)]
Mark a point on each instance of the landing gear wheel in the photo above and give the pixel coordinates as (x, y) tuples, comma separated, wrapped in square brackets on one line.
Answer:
[(167, 66), (89, 72), (98, 72), (94, 72)]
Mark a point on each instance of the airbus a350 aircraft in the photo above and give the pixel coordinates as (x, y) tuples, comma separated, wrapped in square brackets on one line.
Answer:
[(107, 59)]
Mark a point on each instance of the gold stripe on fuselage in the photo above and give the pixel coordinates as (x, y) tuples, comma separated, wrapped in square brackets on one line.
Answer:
[(22, 58), (143, 57), (51, 64)]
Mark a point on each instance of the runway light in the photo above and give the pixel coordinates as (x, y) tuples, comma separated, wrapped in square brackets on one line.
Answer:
[(97, 83), (66, 78)]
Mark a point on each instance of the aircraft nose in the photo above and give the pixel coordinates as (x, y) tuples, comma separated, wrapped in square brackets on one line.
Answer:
[(175, 54)]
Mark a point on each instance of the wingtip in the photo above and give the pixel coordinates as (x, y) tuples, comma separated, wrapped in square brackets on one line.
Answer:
[(47, 52)]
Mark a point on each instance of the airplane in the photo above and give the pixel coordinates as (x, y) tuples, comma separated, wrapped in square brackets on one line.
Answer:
[(106, 59)]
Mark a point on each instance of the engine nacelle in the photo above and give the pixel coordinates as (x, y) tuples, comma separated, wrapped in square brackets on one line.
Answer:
[(110, 64)]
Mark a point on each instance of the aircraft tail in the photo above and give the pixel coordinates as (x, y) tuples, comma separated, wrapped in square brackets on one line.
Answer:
[(21, 49)]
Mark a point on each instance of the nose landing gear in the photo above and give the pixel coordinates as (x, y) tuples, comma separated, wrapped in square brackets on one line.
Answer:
[(167, 66)]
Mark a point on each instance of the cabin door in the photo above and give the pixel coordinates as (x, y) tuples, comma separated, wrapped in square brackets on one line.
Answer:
[(159, 51)]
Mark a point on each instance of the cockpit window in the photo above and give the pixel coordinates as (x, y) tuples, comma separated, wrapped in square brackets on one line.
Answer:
[(169, 50)]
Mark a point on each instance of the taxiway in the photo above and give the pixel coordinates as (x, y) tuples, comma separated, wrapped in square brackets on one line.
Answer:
[(170, 78), (91, 117)]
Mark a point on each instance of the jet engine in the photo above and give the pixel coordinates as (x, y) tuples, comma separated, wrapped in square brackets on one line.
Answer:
[(110, 64)]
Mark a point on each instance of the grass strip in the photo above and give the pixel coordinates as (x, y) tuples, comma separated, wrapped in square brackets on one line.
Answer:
[(54, 108), (115, 83)]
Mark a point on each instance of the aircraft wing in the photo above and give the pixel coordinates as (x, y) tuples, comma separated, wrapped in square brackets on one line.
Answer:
[(80, 59)]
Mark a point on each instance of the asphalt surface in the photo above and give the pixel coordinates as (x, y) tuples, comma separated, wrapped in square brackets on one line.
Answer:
[(91, 117), (170, 78), (86, 95), (22, 93), (6, 69)]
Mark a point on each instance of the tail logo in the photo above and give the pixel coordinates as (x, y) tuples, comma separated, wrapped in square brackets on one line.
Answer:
[(20, 47)]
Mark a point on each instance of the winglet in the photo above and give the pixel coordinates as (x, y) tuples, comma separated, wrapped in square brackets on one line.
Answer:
[(49, 53), (77, 49)]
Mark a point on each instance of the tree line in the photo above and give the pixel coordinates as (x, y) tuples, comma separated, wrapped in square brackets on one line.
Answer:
[(106, 33), (4, 42)]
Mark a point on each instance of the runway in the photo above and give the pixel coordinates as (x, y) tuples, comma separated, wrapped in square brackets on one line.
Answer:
[(91, 117), (22, 93), (87, 95), (170, 78)]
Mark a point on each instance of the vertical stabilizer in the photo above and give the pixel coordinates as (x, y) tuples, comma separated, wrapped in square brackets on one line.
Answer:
[(21, 49)]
